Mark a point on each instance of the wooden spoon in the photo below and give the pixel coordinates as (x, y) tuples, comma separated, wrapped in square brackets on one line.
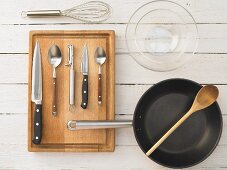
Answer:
[(206, 96)]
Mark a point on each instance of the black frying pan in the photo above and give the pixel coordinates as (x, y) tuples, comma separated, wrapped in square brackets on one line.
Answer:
[(157, 111)]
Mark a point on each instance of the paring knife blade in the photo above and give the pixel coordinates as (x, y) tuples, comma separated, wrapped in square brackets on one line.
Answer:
[(37, 93), (84, 70), (84, 63)]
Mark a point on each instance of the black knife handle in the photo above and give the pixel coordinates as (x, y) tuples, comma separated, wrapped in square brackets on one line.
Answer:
[(84, 92), (37, 124)]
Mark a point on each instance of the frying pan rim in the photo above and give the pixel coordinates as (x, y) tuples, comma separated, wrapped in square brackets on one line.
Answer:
[(217, 140)]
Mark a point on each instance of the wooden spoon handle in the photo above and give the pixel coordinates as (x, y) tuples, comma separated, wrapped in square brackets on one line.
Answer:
[(170, 131), (54, 110)]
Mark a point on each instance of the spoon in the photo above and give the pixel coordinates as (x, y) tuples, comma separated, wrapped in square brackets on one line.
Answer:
[(206, 96), (100, 57), (54, 58)]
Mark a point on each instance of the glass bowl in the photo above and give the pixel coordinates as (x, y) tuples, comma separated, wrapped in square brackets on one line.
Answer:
[(161, 35)]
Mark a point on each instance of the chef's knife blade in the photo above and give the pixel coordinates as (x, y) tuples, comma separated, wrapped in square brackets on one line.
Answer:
[(84, 70), (37, 93)]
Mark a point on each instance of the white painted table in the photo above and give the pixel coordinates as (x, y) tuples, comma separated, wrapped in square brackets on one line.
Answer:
[(208, 67)]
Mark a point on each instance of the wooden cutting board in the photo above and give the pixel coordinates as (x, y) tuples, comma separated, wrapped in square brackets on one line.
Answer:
[(55, 135)]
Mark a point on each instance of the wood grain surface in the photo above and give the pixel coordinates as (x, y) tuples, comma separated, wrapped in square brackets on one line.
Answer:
[(56, 136)]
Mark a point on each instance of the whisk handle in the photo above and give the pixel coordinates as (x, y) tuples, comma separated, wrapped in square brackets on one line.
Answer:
[(41, 13)]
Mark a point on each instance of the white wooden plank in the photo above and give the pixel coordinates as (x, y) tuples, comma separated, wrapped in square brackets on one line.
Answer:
[(213, 37), (15, 98), (203, 68), (203, 11), (124, 157), (13, 68)]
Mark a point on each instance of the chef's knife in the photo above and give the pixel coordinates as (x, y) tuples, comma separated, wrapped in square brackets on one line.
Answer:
[(37, 93), (84, 70)]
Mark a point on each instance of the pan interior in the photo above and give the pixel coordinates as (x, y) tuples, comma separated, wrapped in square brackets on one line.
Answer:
[(160, 108)]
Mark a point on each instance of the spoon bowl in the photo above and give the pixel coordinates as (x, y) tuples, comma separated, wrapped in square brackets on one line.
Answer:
[(54, 56), (205, 97), (100, 56)]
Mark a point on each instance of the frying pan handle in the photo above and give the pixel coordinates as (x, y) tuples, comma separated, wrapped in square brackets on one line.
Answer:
[(101, 124)]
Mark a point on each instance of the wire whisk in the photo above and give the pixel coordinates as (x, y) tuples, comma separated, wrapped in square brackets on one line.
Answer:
[(91, 12)]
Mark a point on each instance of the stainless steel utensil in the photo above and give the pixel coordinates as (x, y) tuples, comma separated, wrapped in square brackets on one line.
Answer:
[(100, 58), (93, 11), (101, 124), (36, 94), (71, 75), (84, 70), (54, 58)]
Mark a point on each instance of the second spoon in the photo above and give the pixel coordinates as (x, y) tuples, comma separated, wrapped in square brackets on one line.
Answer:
[(54, 58), (100, 57)]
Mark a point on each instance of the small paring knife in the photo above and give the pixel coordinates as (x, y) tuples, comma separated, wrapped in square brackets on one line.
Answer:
[(37, 93), (84, 70)]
